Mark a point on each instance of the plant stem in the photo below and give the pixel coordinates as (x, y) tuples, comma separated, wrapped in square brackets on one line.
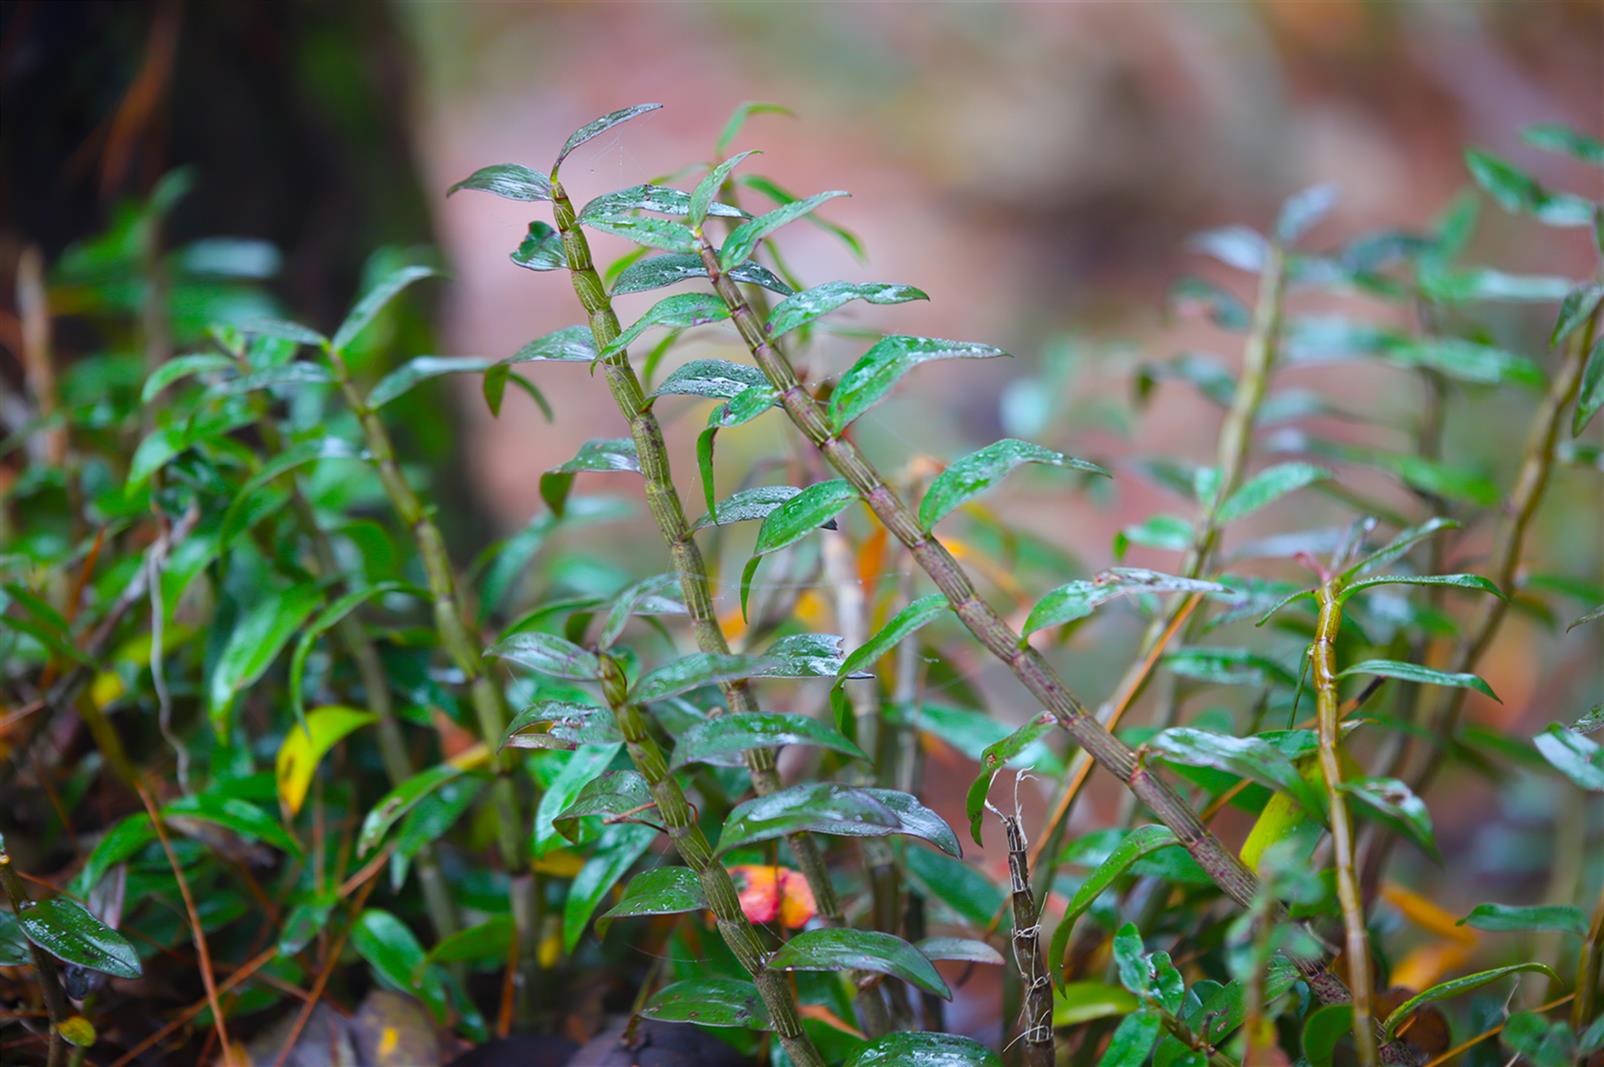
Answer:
[(489, 703), (693, 848), (1036, 1038), (1357, 948), (44, 965), (375, 683), (1587, 969), (669, 513)]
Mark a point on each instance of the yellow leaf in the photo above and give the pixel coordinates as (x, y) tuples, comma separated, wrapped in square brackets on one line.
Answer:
[(1426, 915), (302, 750), (1282, 816), (562, 863), (1424, 966), (810, 608)]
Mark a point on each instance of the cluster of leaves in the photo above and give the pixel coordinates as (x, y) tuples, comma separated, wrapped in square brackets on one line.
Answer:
[(321, 750)]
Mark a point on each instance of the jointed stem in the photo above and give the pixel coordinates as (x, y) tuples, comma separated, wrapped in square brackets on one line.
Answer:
[(663, 500), (489, 703), (1357, 946), (1587, 969), (717, 885)]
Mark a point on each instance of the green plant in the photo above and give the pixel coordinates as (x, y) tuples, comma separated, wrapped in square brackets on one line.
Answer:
[(231, 545)]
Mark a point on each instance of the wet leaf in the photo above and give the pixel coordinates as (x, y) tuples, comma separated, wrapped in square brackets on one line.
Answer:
[(559, 724), (1268, 486), (620, 845), (709, 1002), (70, 933), (396, 957), (702, 197), (742, 241), (724, 741), (548, 654), (862, 950), (657, 595), (510, 181), (960, 886), (1133, 1039), (1454, 987), (655, 272), (868, 380), (1574, 756), (1395, 804), (649, 232), (711, 378), (1412, 672), (614, 795), (816, 807), (993, 759), (1456, 581), (597, 127), (966, 478), (484, 943), (964, 949), (541, 249), (1245, 757), (747, 505), (420, 369), (659, 891), (924, 1049), (305, 745), (678, 312), (799, 309)]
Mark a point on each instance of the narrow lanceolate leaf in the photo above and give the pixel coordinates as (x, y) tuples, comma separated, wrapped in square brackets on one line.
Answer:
[(1454, 987), (718, 378), (325, 619), (1457, 581), (1133, 1039), (402, 799), (70, 933), (724, 741), (1467, 361), (509, 180), (614, 854), (232, 813), (395, 955), (964, 949), (861, 950), (693, 672), (817, 807), (924, 1049), (1400, 545), (1077, 599), (281, 330), (597, 127), (420, 369), (1138, 843), (902, 625), (572, 344), (1576, 757), (1229, 666), (1517, 192), (1504, 918), (254, 644), (659, 891), (603, 455), (659, 198), (657, 595), (709, 1002), (1235, 246), (1246, 757), (373, 301), (649, 232), (747, 505), (1412, 672), (965, 889), (1302, 211), (742, 241), (548, 654), (706, 190), (180, 367), (977, 472), (1591, 395), (676, 312), (802, 308), (484, 943), (655, 272), (993, 758), (541, 249), (1574, 310), (868, 380), (813, 507), (558, 724), (1554, 137), (614, 796), (305, 745), (1581, 620), (918, 820), (1395, 804), (1267, 486)]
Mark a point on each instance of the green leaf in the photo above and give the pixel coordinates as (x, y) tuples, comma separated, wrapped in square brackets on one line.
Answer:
[(1517, 192), (540, 250), (817, 807), (963, 949), (13, 945), (706, 190), (977, 472), (1574, 756), (1554, 137), (709, 668), (585, 765), (597, 127), (572, 344), (253, 645), (1590, 397), (70, 933), (711, 378), (802, 308), (397, 958), (1083, 1002), (1267, 486), (601, 455), (1504, 918), (960, 886), (678, 312), (1323, 1030), (182, 367), (237, 518), (1467, 361), (231, 813), (743, 111), (484, 943), (122, 842), (554, 724), (398, 801), (813, 507), (1395, 804), (868, 380), (1457, 581), (1170, 533), (859, 950), (420, 369), (1400, 545), (1235, 246), (1229, 666), (1130, 960), (511, 181), (373, 301), (659, 891), (1302, 211), (1412, 672), (747, 505), (280, 330), (1539, 1042), (1454, 987), (992, 760), (621, 844), (918, 820), (646, 231), (1578, 305), (327, 618), (1078, 599), (924, 1049), (655, 272), (905, 623), (1246, 757), (1136, 844), (548, 654), (613, 795), (742, 241), (1133, 1039), (659, 198), (657, 595), (725, 740), (709, 1002)]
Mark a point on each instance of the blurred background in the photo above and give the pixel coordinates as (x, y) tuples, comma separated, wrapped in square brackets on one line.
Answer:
[(1036, 168)]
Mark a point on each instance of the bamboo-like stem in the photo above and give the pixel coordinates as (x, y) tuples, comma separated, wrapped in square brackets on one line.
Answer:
[(1587, 969), (669, 513), (46, 976), (1521, 509), (717, 885), (375, 683), (1036, 1033), (1322, 653), (489, 703)]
